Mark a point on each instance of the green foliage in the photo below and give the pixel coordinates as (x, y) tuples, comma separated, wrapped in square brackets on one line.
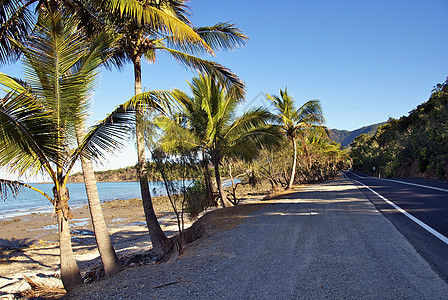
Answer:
[(345, 137), (197, 199), (414, 145)]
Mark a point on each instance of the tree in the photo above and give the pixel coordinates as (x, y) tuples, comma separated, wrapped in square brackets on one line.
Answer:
[(18, 18), (38, 119), (145, 40), (211, 116), (295, 123)]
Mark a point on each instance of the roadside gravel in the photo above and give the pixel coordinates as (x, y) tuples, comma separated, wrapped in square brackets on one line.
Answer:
[(324, 241)]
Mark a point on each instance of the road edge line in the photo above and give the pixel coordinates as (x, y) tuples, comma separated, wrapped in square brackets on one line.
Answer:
[(423, 225)]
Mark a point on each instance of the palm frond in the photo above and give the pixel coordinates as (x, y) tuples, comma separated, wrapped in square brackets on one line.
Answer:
[(149, 101), (158, 19), (253, 118), (13, 187), (12, 83), (16, 23), (83, 75), (176, 139), (27, 135), (220, 73), (105, 137), (222, 36), (9, 187)]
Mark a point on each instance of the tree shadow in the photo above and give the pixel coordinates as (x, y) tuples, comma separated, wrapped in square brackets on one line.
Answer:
[(13, 248)]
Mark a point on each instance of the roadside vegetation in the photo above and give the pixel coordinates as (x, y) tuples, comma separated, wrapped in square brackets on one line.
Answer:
[(190, 134), (412, 146)]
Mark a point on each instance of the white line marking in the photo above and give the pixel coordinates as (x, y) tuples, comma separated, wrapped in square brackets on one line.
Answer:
[(419, 185), (426, 227), (404, 182)]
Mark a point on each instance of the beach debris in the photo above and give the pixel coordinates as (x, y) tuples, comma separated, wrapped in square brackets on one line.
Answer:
[(93, 274), (169, 283), (41, 285), (139, 259)]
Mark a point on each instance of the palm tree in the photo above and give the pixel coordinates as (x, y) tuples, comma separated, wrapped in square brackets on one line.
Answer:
[(18, 18), (88, 65), (100, 47), (145, 40), (211, 116), (295, 123), (39, 118), (165, 17)]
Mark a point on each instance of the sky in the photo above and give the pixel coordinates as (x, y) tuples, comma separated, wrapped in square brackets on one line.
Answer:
[(366, 61)]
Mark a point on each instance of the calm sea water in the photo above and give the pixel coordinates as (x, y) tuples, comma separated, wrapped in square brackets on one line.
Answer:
[(29, 201)]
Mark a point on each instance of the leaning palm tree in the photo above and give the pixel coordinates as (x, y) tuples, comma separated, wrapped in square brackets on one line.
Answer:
[(295, 122), (211, 116), (146, 40), (39, 119)]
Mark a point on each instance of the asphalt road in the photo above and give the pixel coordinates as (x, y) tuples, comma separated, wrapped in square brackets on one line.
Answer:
[(325, 241), (425, 200)]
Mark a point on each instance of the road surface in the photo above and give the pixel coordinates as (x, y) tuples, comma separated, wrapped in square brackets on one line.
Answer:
[(323, 241), (421, 216)]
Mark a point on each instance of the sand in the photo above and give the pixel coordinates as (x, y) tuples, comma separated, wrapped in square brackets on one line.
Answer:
[(28, 244)]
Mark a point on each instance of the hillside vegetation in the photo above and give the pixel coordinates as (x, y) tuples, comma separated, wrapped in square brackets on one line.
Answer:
[(122, 174), (412, 146), (346, 137)]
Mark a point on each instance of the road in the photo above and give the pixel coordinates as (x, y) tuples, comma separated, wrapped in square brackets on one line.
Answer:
[(324, 241), (419, 210)]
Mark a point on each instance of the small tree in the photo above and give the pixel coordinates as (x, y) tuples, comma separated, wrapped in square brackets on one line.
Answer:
[(295, 122)]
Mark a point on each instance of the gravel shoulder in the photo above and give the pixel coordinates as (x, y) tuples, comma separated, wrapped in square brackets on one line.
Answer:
[(323, 241)]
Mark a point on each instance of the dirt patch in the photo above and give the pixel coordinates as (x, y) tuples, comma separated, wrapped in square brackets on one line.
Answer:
[(221, 219)]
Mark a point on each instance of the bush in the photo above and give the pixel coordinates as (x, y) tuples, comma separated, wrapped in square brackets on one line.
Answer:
[(197, 199)]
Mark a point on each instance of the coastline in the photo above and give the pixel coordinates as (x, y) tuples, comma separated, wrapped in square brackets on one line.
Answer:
[(28, 245)]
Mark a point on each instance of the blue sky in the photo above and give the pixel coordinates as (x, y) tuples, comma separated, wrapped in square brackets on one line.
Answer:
[(365, 61)]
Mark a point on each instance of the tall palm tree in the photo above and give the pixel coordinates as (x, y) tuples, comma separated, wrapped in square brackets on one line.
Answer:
[(295, 122), (101, 46), (145, 40), (88, 64), (211, 116), (38, 119)]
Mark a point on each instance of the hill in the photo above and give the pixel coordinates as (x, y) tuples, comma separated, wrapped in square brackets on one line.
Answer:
[(412, 146), (122, 174), (345, 137)]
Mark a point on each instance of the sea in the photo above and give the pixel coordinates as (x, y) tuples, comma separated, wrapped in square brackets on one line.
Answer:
[(29, 201)]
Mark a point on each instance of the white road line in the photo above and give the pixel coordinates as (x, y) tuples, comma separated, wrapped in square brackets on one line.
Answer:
[(426, 227), (418, 185), (404, 182)]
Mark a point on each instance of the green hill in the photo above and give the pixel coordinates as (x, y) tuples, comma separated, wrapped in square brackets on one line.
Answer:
[(345, 137), (415, 145)]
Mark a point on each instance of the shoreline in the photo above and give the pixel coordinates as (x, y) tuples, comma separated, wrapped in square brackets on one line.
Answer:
[(29, 243)]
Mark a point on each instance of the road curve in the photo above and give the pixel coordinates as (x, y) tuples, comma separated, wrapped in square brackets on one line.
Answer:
[(323, 241)]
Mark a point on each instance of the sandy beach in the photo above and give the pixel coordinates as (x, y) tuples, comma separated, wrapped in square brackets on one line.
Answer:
[(28, 244)]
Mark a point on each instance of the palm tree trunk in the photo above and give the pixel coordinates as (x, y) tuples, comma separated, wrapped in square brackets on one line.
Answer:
[(208, 182), (161, 244), (70, 275), (111, 263), (224, 201), (293, 172)]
